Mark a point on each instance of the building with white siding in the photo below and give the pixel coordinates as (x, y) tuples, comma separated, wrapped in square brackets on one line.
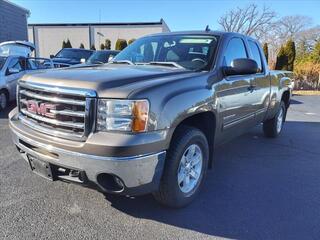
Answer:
[(48, 38), (13, 22)]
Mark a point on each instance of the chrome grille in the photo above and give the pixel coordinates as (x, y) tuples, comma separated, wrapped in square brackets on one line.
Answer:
[(60, 112)]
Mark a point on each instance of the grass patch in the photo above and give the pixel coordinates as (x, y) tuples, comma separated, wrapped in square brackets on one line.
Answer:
[(306, 92)]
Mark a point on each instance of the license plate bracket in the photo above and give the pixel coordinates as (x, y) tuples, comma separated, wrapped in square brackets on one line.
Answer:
[(40, 167)]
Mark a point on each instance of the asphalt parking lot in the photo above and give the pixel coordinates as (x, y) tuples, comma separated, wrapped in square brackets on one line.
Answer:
[(259, 189)]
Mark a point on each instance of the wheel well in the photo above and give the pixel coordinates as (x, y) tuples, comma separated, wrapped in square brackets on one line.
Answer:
[(5, 91), (286, 98), (206, 122)]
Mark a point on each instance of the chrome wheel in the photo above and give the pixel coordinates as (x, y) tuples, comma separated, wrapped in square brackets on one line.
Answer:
[(3, 101), (280, 120), (190, 167)]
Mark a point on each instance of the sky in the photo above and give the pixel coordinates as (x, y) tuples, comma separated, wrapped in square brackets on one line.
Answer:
[(178, 14)]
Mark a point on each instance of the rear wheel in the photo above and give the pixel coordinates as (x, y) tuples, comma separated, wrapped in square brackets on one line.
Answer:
[(185, 168), (272, 128), (3, 100)]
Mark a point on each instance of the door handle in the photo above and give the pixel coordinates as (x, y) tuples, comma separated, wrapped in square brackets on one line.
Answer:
[(252, 87)]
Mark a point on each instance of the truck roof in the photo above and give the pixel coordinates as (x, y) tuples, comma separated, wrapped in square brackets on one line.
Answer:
[(199, 32)]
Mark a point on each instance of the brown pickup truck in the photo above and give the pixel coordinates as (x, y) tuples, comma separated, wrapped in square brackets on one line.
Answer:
[(148, 121)]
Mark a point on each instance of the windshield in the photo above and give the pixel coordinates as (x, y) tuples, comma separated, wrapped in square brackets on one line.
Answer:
[(194, 52), (73, 54), (101, 57), (2, 62)]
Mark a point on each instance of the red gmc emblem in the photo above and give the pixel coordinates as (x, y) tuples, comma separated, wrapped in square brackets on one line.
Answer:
[(43, 109)]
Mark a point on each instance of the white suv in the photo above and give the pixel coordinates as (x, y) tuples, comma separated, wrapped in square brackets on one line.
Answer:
[(15, 61)]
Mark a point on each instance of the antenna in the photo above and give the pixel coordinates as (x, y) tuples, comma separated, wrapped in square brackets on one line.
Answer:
[(208, 28)]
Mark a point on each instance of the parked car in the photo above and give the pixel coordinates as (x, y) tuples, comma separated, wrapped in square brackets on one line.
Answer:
[(70, 56), (102, 56), (97, 58), (148, 121), (14, 63)]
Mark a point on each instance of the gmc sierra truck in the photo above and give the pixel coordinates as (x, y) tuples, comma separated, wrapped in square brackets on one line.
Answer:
[(149, 121)]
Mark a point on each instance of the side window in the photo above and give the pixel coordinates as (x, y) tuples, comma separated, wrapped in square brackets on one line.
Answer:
[(15, 64), (256, 54), (235, 49)]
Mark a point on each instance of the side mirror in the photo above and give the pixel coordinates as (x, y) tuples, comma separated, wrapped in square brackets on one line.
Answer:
[(82, 60), (110, 58), (241, 66), (13, 71), (51, 56)]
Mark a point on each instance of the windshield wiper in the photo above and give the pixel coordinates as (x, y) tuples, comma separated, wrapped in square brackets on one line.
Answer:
[(168, 64), (122, 62), (96, 62)]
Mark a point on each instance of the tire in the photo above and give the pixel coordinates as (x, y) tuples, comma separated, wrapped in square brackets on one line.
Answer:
[(188, 146), (272, 128), (3, 100)]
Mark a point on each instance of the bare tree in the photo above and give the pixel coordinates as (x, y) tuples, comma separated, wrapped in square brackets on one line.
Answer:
[(249, 20), (294, 27), (291, 26)]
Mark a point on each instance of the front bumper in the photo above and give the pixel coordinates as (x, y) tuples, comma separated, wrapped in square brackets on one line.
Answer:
[(139, 174)]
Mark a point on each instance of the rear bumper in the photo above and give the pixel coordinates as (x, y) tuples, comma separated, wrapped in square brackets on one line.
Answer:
[(139, 174)]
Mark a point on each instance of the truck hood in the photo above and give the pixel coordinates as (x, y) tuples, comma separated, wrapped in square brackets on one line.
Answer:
[(110, 81)]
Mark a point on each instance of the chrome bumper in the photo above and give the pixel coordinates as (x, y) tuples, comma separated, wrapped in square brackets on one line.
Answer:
[(134, 171)]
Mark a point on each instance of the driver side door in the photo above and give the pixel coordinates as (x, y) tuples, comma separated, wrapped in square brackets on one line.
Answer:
[(234, 93)]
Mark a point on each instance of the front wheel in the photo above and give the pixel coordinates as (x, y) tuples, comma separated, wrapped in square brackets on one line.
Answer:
[(273, 127), (185, 168), (3, 100)]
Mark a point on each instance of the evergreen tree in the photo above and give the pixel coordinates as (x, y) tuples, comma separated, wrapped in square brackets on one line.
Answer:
[(290, 50), (282, 59), (315, 54), (121, 44), (102, 46), (68, 44), (266, 51), (64, 44), (81, 45), (107, 44)]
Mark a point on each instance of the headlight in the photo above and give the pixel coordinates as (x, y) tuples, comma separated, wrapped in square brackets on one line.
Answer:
[(122, 115)]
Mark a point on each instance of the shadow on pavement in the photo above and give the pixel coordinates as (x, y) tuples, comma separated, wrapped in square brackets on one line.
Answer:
[(259, 189), (292, 101), (4, 113)]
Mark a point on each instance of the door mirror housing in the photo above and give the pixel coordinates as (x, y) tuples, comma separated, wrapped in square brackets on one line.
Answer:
[(12, 71), (110, 58), (241, 66)]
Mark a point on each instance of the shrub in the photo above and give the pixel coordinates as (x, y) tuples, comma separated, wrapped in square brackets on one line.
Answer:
[(93, 47), (121, 44), (102, 46), (131, 41), (81, 45), (107, 44)]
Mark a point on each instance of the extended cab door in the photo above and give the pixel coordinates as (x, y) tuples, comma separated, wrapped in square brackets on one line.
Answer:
[(234, 92), (260, 83)]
